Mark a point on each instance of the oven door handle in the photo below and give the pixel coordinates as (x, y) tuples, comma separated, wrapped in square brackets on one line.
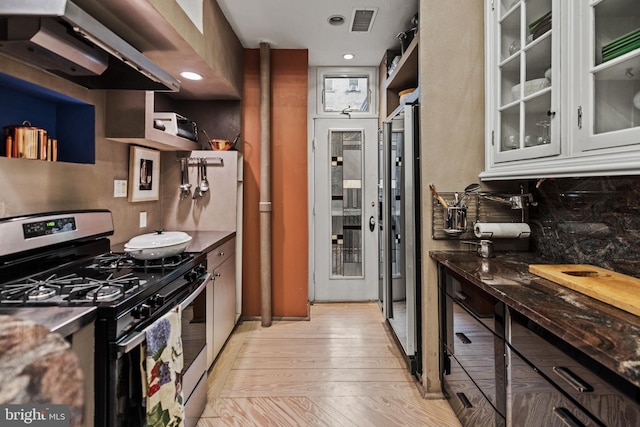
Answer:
[(184, 304), (140, 337)]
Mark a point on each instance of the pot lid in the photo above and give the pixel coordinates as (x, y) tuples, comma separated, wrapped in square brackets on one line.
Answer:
[(158, 240)]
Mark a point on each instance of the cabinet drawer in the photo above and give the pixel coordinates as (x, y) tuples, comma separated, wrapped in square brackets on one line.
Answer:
[(467, 401), (220, 254), (477, 349), (484, 307), (606, 396), (533, 401)]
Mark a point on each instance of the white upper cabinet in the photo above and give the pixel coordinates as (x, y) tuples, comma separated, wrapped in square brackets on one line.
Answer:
[(522, 70), (609, 74), (561, 77)]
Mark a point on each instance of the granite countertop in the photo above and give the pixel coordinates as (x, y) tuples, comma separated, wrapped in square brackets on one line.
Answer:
[(202, 241), (63, 320), (607, 334)]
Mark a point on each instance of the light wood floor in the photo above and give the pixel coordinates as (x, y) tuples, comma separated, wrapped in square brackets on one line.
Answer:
[(341, 368)]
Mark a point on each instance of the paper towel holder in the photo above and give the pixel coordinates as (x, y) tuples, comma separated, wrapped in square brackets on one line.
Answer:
[(491, 207)]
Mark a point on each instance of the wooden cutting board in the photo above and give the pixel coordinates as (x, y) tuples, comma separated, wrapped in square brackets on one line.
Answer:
[(616, 289)]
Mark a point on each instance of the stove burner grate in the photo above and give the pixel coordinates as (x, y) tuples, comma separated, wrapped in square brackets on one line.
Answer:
[(40, 293), (71, 288), (38, 289), (104, 293), (117, 261)]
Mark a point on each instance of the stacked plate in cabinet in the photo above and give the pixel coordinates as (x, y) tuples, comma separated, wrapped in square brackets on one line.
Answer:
[(540, 25), (621, 45)]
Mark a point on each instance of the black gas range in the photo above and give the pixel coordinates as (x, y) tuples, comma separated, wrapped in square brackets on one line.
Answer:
[(64, 259)]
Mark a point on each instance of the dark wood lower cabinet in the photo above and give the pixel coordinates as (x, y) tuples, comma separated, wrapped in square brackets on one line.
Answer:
[(607, 398), (472, 337), (499, 368), (533, 401), (470, 405)]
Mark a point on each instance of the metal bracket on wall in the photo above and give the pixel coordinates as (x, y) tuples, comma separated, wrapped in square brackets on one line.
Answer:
[(482, 207), (210, 161)]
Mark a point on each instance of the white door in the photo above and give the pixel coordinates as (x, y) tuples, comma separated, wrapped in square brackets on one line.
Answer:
[(345, 204)]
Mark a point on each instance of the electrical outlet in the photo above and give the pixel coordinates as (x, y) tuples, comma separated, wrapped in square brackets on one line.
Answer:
[(119, 188), (143, 219)]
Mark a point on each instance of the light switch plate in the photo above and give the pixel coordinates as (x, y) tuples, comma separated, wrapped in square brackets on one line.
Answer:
[(119, 188), (143, 219)]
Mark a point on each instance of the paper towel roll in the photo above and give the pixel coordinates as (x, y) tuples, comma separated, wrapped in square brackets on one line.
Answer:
[(501, 230)]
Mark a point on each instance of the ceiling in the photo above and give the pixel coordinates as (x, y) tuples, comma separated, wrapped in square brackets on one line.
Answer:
[(303, 24)]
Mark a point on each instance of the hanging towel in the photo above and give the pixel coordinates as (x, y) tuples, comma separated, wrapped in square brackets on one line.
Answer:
[(162, 371)]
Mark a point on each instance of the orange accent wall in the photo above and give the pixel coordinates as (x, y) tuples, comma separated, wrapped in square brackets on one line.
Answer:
[(290, 241)]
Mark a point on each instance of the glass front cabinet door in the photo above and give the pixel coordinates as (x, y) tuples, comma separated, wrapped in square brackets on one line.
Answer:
[(607, 98), (522, 80), (562, 88)]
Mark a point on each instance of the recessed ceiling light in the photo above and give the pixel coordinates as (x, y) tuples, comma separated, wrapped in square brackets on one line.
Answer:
[(336, 20), (348, 56), (190, 75)]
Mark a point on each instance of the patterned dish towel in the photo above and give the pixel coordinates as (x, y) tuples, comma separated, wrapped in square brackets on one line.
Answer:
[(162, 364)]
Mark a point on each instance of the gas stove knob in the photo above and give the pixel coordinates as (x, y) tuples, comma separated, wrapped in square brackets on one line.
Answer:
[(155, 300), (191, 276), (141, 311), (194, 273)]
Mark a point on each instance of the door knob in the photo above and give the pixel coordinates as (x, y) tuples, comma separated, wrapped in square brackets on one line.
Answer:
[(372, 223)]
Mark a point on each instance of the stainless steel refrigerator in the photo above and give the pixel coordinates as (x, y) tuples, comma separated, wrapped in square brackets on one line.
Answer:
[(399, 229)]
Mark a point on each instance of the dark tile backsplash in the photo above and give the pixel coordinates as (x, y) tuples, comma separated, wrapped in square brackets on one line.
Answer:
[(588, 221)]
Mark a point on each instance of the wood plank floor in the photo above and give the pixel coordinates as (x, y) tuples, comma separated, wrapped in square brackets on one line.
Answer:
[(341, 368)]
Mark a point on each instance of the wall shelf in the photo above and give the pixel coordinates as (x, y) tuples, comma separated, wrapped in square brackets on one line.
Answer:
[(69, 120), (129, 119), (404, 76)]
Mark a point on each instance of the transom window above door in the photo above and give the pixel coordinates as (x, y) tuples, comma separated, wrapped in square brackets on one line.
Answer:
[(347, 91)]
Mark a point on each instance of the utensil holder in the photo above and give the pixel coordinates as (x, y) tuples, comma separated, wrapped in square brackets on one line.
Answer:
[(456, 218)]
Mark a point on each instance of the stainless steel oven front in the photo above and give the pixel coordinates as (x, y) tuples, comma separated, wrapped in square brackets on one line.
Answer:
[(128, 404)]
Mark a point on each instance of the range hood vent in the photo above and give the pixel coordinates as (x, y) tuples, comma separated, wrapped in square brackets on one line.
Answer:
[(362, 20), (58, 36)]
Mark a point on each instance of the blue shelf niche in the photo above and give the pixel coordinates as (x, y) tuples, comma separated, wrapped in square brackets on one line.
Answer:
[(69, 120)]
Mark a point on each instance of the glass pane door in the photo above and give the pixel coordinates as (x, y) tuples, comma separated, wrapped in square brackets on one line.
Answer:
[(346, 203), (527, 101)]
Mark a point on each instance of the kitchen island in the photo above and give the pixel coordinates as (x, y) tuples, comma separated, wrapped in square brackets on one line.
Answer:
[(543, 337)]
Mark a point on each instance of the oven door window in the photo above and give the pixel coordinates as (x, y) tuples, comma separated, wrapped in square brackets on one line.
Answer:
[(194, 334)]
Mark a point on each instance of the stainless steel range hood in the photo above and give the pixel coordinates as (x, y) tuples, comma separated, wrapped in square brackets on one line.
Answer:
[(58, 36)]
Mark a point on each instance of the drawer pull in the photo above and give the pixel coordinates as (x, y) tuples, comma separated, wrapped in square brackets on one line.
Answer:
[(465, 402), (572, 379), (221, 254), (567, 417), (463, 338), (461, 296), (216, 274)]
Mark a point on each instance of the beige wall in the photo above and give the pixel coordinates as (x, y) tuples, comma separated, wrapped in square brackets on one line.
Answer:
[(30, 186), (452, 132)]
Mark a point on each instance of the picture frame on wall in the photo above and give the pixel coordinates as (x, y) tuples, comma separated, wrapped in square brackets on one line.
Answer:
[(144, 174)]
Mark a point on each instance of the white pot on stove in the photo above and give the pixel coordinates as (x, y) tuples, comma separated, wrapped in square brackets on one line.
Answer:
[(161, 244)]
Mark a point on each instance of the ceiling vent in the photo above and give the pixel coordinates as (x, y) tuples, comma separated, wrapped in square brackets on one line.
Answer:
[(362, 20)]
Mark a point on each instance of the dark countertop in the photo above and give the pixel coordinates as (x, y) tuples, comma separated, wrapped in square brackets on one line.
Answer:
[(206, 241), (63, 320), (202, 241), (607, 334)]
